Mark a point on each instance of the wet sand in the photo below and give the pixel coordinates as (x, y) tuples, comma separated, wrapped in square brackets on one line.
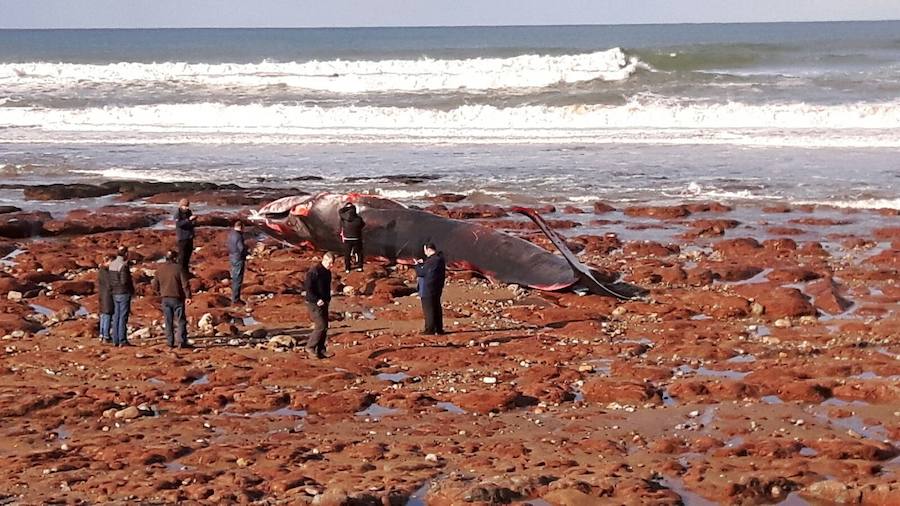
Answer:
[(762, 368)]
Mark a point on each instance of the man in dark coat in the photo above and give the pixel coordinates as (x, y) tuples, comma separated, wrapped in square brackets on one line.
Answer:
[(171, 282), (352, 226), (122, 288), (107, 306), (432, 273), (185, 221), (318, 297), (237, 255)]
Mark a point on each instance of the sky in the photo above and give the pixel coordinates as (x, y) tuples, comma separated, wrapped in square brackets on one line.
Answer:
[(329, 13)]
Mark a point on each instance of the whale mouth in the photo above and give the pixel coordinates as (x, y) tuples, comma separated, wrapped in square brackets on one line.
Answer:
[(279, 216)]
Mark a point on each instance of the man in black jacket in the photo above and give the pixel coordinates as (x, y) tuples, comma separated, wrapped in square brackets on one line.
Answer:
[(318, 296), (237, 255), (352, 226), (432, 273), (185, 221), (122, 288)]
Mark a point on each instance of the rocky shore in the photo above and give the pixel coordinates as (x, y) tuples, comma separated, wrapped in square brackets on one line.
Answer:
[(763, 367)]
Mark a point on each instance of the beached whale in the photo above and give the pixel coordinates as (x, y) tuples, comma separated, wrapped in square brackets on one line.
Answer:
[(396, 232)]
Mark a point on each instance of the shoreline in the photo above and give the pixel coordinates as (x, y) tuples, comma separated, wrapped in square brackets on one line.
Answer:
[(763, 366)]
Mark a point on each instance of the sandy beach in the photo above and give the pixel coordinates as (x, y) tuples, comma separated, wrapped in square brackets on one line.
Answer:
[(762, 368)]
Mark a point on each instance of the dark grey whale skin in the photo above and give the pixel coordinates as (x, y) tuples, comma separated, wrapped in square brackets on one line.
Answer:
[(397, 233)]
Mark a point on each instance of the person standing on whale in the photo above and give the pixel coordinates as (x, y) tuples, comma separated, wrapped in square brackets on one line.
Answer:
[(352, 226)]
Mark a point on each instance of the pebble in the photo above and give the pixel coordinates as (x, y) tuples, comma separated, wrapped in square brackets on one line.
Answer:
[(490, 380), (783, 323), (431, 457)]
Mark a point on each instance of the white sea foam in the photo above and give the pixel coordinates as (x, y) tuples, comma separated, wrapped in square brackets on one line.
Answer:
[(403, 194), (654, 122), (342, 76), (855, 204)]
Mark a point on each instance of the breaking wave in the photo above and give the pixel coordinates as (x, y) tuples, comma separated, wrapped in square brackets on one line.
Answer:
[(857, 124), (343, 76)]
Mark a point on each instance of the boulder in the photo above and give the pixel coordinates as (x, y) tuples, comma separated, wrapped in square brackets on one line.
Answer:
[(22, 225)]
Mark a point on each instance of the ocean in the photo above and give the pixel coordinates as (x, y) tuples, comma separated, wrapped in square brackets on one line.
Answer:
[(790, 112)]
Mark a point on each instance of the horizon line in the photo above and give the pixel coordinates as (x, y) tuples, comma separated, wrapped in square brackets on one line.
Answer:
[(686, 23)]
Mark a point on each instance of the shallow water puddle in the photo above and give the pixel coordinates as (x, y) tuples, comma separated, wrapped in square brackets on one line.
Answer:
[(156, 381), (741, 359), (808, 452), (377, 411), (62, 432), (175, 466), (280, 412), (10, 259), (202, 380), (42, 310), (451, 408), (396, 377), (772, 399), (687, 497), (668, 400), (600, 365), (834, 401), (703, 371), (300, 413), (856, 424), (734, 442)]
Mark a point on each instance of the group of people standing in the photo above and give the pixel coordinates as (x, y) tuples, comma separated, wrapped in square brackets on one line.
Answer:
[(172, 282)]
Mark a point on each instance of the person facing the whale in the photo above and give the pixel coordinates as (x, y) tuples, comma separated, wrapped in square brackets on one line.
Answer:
[(185, 222), (431, 273), (352, 226), (171, 284), (121, 286), (237, 256)]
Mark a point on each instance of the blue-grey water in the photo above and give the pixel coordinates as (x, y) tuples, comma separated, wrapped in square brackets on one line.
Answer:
[(786, 111)]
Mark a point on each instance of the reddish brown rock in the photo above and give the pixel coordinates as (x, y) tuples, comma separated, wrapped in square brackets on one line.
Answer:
[(826, 296), (601, 208), (443, 198), (731, 271), (344, 402), (778, 302), (792, 275), (708, 207), (807, 391), (624, 392), (737, 248), (74, 287), (477, 211), (649, 249), (658, 213), (488, 400), (23, 224)]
